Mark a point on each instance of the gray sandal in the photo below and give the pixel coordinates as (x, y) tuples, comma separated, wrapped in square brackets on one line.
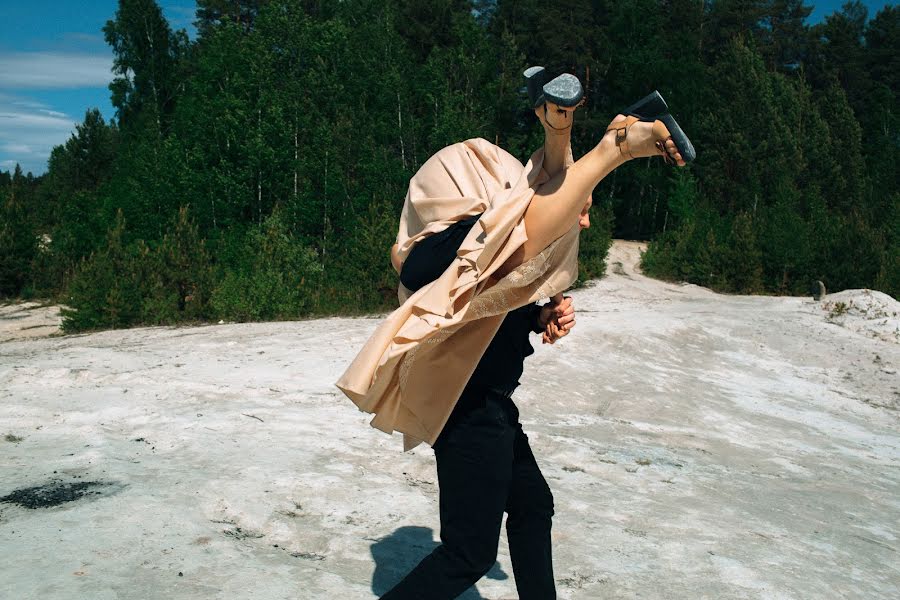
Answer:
[(565, 90)]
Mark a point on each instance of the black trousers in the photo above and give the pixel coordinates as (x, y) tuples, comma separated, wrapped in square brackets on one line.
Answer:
[(485, 468)]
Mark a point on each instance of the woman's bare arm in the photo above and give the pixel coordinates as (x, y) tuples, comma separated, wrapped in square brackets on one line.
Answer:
[(395, 258)]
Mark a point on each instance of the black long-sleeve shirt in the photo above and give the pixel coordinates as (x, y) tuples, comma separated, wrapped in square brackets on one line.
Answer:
[(502, 364), (503, 361)]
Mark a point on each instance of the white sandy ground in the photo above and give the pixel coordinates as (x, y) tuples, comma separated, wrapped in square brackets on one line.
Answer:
[(28, 320), (698, 446)]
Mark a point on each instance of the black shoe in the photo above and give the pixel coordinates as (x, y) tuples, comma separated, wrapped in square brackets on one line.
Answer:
[(535, 78), (648, 108), (653, 107)]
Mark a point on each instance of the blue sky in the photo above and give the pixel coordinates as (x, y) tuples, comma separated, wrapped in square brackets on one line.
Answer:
[(54, 65)]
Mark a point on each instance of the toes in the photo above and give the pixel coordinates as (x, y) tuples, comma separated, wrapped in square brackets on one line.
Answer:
[(673, 151), (670, 152), (555, 117)]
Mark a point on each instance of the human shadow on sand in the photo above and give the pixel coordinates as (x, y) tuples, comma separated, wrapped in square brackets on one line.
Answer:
[(396, 554)]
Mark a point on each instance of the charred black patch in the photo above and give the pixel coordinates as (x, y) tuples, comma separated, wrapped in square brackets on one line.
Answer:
[(54, 493)]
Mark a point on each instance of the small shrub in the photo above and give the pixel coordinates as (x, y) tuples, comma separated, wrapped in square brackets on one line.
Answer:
[(180, 272), (104, 292), (594, 244), (276, 280), (18, 247), (838, 309)]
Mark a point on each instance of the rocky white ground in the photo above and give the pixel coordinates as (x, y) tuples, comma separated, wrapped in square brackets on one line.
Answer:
[(698, 446)]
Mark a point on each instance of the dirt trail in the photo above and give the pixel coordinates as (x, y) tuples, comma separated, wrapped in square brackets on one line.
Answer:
[(24, 320)]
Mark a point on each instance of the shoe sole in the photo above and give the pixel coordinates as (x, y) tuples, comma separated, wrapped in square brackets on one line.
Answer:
[(565, 90)]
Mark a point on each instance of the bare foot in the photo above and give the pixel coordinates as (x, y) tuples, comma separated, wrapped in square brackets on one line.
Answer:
[(637, 139), (556, 120)]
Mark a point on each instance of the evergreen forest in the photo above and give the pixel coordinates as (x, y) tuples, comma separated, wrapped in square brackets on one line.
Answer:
[(257, 171)]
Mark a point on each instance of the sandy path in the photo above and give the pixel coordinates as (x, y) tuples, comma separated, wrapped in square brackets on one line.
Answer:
[(26, 320), (698, 446)]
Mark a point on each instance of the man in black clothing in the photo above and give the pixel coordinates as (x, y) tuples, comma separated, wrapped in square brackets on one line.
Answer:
[(484, 462)]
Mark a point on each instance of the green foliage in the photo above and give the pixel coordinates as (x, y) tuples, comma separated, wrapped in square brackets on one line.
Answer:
[(125, 284), (291, 129), (783, 167), (68, 210), (853, 254), (358, 276), (85, 161), (146, 55), (180, 277), (682, 254), (275, 278), (594, 243), (740, 263), (679, 253), (785, 247), (18, 243), (683, 199), (889, 275), (79, 232), (106, 289)]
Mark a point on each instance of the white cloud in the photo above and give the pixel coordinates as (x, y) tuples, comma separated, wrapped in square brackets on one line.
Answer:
[(89, 38), (51, 70), (29, 131), (17, 148), (32, 120), (7, 100)]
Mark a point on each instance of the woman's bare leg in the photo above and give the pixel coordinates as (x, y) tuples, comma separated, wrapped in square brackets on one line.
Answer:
[(557, 122), (558, 203)]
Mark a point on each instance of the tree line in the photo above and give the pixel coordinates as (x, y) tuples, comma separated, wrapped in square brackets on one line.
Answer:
[(258, 171)]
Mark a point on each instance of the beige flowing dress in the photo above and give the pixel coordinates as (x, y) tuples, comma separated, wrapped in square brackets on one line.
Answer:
[(412, 370)]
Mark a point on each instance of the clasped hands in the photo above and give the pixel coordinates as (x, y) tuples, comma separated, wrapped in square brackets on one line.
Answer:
[(557, 318)]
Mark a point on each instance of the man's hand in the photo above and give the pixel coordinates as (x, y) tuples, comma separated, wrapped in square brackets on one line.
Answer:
[(558, 318)]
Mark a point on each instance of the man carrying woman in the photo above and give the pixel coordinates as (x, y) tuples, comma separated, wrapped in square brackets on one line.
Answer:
[(481, 239)]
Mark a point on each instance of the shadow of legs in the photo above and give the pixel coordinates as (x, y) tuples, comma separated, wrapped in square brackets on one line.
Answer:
[(398, 553)]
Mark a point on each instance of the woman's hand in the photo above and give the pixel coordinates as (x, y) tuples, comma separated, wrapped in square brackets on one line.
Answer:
[(558, 318)]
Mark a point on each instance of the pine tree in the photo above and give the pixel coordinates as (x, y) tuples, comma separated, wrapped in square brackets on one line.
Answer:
[(784, 34), (18, 243), (742, 266), (213, 13), (146, 56), (104, 291), (182, 275)]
